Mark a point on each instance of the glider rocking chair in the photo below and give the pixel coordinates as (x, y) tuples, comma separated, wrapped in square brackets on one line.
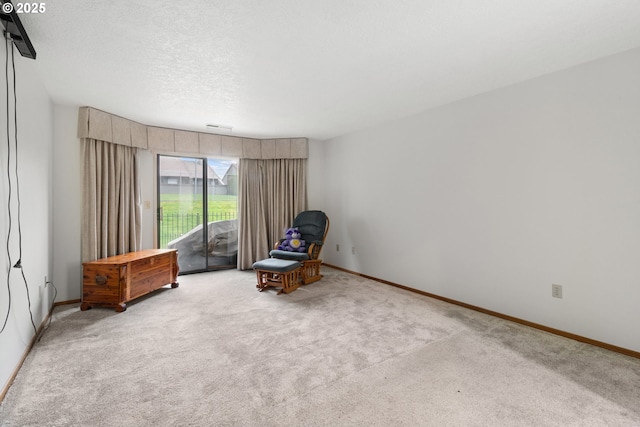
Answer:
[(313, 227)]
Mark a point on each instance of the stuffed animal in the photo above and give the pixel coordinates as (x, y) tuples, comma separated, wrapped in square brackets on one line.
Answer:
[(292, 241)]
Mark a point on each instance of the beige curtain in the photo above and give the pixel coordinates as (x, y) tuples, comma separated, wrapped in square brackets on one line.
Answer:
[(270, 194), (111, 199)]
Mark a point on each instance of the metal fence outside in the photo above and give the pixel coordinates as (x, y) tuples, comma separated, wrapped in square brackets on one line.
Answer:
[(174, 225)]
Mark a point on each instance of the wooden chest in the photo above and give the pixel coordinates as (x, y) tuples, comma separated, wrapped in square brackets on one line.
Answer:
[(114, 281)]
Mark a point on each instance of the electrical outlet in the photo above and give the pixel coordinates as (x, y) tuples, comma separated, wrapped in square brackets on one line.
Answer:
[(556, 291), (353, 250), (337, 248)]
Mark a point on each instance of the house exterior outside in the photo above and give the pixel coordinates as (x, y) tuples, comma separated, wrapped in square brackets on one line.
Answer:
[(180, 174)]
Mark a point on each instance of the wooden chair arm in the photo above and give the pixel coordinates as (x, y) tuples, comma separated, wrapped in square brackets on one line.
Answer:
[(314, 250)]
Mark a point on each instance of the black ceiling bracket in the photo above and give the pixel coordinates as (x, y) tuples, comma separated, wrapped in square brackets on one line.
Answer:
[(14, 30)]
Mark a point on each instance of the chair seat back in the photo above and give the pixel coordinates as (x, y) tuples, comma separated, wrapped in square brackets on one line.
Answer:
[(312, 226)]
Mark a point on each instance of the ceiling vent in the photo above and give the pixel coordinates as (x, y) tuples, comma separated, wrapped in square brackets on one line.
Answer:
[(220, 127)]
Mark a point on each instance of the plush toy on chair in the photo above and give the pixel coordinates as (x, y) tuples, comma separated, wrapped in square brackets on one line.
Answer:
[(303, 243), (292, 241)]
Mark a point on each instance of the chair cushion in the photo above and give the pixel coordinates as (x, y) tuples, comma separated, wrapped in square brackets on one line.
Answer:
[(311, 225), (296, 256), (276, 265)]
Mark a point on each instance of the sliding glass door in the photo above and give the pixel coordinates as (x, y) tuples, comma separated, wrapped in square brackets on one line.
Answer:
[(197, 211)]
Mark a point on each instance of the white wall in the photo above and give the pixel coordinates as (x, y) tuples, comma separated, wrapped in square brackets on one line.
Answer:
[(67, 200), (35, 126), (315, 176), (492, 199)]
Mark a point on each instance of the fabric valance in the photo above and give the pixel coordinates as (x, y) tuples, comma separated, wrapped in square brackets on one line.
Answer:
[(97, 124)]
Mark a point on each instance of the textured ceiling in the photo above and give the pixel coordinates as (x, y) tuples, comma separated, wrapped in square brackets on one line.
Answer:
[(309, 68)]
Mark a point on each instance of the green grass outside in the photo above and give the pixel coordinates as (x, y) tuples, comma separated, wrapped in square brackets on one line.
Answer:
[(188, 203), (182, 212)]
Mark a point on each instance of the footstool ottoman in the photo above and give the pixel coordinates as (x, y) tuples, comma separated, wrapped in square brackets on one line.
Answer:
[(278, 273)]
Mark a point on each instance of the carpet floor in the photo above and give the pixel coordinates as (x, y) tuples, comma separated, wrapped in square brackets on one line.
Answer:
[(344, 351)]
